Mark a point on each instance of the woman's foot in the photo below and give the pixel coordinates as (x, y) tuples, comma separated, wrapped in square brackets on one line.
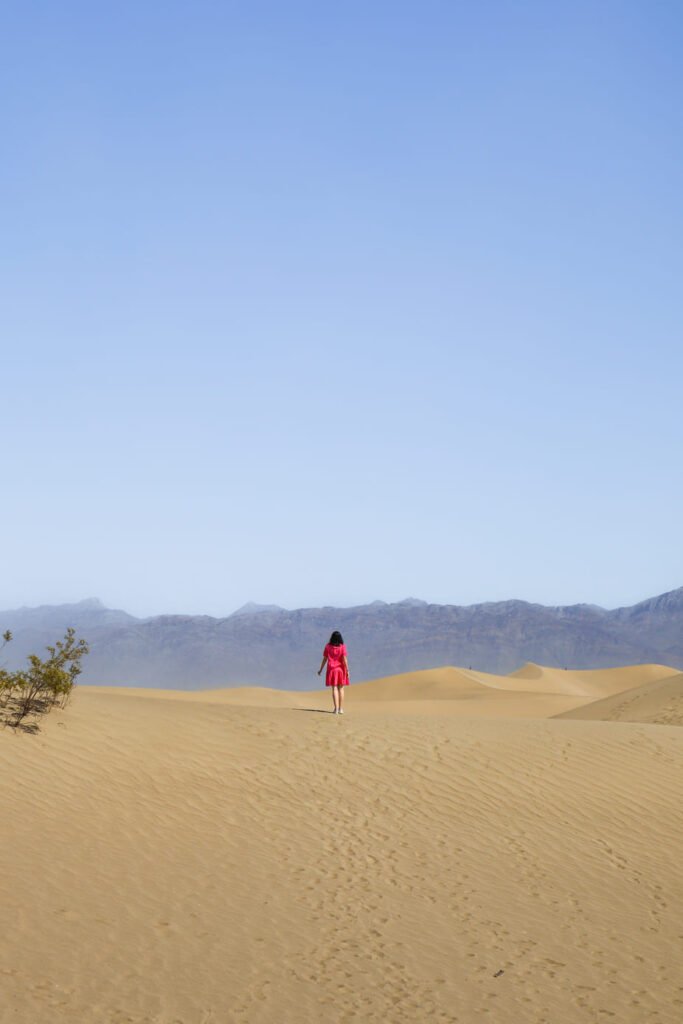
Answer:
[(341, 711)]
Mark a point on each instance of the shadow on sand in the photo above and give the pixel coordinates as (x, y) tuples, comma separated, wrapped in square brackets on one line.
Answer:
[(314, 711), (13, 714)]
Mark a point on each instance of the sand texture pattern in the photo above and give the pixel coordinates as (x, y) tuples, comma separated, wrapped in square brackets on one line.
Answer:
[(451, 855)]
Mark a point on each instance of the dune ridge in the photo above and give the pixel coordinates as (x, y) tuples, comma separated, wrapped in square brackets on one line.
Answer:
[(534, 691), (655, 703), (594, 683), (445, 683)]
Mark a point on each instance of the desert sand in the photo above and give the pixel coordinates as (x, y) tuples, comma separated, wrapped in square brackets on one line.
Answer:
[(658, 703), (448, 851)]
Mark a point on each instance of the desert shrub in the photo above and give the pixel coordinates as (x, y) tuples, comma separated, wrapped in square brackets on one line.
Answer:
[(44, 682), (6, 679)]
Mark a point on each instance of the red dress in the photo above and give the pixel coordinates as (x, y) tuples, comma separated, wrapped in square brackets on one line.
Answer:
[(336, 673)]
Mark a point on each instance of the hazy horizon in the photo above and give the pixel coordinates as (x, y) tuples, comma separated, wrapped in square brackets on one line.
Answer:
[(317, 306), (269, 604)]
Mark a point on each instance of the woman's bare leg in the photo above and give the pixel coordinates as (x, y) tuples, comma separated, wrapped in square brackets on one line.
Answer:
[(341, 696), (335, 698)]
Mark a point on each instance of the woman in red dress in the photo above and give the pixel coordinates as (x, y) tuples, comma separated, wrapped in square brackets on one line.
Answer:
[(337, 670)]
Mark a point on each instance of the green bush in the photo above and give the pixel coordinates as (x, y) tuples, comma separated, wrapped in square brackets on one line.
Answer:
[(45, 682)]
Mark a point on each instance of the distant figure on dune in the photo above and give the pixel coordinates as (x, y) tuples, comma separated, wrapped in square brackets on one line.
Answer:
[(337, 670)]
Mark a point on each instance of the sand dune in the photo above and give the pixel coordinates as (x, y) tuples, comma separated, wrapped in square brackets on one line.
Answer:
[(659, 703), (430, 684), (449, 691), (534, 691), (447, 683), (191, 859), (594, 683)]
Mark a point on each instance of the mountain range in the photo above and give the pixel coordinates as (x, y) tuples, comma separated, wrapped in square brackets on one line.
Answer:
[(271, 646)]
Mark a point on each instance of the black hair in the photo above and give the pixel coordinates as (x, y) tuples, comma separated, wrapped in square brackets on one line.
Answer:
[(336, 640)]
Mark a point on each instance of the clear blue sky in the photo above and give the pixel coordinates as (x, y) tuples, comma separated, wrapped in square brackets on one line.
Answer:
[(320, 303)]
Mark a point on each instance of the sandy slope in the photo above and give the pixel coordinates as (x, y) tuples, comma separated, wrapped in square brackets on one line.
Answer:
[(189, 859), (534, 691), (658, 703), (595, 683)]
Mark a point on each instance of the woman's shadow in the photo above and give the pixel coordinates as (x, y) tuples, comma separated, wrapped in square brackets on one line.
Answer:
[(314, 711)]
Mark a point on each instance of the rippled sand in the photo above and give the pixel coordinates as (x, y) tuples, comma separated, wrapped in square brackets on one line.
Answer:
[(445, 852)]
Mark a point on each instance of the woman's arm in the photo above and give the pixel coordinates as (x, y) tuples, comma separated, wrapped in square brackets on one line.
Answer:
[(346, 666), (322, 663)]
